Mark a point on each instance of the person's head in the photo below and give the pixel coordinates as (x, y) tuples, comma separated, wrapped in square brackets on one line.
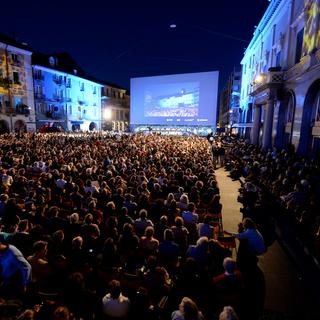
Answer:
[(123, 211), (61, 313), (115, 289), (4, 197), (77, 242), (189, 309), (168, 235), (27, 315), (170, 197), (191, 207), (207, 219), (92, 205), (184, 199), (203, 242), (164, 219), (127, 229), (74, 218), (152, 262), (143, 214), (88, 219), (149, 232), (248, 223), (40, 248), (93, 231), (229, 265), (179, 221), (111, 205), (23, 225), (228, 314)]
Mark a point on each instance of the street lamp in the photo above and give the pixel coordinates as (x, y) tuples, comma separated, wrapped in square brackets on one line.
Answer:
[(107, 114)]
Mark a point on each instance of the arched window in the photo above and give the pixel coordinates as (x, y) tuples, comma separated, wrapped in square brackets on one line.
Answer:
[(316, 107), (290, 110)]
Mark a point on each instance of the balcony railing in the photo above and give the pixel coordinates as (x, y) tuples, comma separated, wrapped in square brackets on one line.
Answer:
[(39, 96), (58, 80), (18, 109), (37, 76), (266, 79), (299, 68), (82, 101), (5, 82), (57, 98)]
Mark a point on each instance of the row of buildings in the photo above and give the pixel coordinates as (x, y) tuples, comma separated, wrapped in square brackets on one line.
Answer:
[(275, 99), (40, 92)]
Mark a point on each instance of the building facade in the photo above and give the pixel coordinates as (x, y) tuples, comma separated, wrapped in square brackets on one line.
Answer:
[(115, 108), (280, 91), (230, 111), (65, 100), (16, 87)]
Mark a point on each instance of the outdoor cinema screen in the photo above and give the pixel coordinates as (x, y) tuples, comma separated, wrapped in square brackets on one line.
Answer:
[(180, 99)]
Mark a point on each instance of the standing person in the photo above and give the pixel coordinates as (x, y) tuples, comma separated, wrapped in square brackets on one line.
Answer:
[(221, 154), (15, 269)]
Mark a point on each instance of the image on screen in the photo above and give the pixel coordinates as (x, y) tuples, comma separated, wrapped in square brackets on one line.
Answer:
[(177, 100), (181, 99)]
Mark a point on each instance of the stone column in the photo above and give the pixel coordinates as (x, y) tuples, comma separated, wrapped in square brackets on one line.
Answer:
[(256, 125), (267, 126)]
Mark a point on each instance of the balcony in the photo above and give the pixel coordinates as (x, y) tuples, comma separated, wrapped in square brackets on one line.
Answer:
[(5, 82), (53, 115), (57, 97), (58, 80), (82, 101), (37, 76), (299, 68), (266, 80), (22, 109), (16, 62), (39, 96)]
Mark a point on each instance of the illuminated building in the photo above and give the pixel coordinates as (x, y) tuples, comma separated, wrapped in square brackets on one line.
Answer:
[(16, 90), (115, 106), (280, 91), (230, 112), (65, 98)]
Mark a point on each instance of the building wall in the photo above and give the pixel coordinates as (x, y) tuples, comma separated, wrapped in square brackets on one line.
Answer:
[(16, 89), (229, 106), (286, 39), (115, 108), (66, 100)]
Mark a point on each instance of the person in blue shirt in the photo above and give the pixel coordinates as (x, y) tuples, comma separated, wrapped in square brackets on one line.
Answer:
[(14, 266)]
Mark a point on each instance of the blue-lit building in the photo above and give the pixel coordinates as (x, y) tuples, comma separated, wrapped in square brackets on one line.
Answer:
[(65, 98), (280, 89)]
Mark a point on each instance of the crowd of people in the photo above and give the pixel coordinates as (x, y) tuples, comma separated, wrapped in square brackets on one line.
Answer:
[(129, 226), (282, 185)]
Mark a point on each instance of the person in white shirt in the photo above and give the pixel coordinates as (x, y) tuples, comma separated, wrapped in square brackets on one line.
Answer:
[(115, 304)]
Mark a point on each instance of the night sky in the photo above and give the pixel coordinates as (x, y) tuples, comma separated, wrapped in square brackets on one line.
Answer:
[(118, 40)]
